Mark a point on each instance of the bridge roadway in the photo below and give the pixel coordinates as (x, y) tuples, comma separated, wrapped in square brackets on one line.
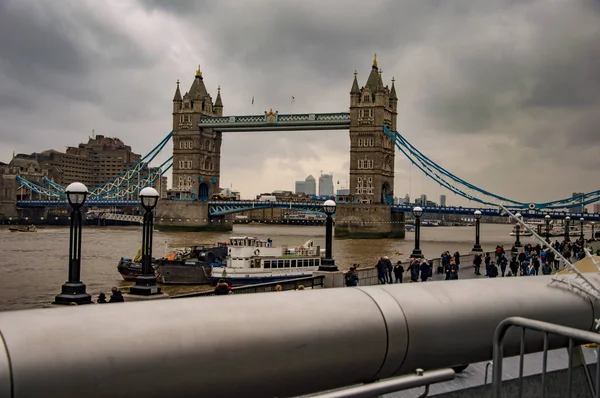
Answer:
[(221, 208)]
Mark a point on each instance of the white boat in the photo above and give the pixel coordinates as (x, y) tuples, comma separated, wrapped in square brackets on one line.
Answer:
[(522, 231), (252, 260)]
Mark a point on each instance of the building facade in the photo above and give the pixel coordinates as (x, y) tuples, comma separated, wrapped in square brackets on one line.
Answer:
[(372, 152), (577, 209), (443, 200), (196, 152), (326, 185)]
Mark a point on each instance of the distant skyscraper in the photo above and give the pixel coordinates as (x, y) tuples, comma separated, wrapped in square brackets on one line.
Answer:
[(442, 200), (310, 185), (596, 208), (300, 187), (407, 199), (423, 200), (577, 209), (326, 185)]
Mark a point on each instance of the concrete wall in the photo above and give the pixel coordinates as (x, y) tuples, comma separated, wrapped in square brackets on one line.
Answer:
[(368, 221)]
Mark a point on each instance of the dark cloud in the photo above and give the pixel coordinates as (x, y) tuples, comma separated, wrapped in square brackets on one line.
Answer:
[(504, 85)]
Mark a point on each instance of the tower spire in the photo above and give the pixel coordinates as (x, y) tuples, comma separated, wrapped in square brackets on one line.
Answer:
[(218, 101), (393, 95), (177, 96), (375, 61), (198, 72), (355, 89)]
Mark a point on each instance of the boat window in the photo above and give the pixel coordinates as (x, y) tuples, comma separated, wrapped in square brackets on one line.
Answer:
[(279, 263), (293, 263), (311, 262), (286, 263), (317, 262), (267, 263)]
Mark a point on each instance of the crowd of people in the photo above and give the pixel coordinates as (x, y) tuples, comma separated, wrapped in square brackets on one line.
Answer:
[(531, 260)]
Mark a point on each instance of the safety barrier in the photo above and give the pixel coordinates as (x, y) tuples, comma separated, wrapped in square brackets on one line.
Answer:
[(310, 282), (273, 345)]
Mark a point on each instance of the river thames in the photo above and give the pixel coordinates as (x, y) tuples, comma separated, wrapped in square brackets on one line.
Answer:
[(33, 266)]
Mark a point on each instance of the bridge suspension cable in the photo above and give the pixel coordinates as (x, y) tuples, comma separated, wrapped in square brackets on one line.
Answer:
[(127, 183), (450, 181)]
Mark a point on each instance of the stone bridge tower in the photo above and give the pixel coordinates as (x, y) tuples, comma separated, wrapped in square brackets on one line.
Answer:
[(196, 152), (371, 150)]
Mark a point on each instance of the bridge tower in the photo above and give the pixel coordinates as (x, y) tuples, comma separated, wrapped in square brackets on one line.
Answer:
[(371, 150), (196, 152)]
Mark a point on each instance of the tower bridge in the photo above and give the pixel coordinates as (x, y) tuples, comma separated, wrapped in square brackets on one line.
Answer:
[(198, 124)]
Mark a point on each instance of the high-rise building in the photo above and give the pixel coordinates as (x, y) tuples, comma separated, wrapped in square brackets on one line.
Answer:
[(308, 186), (442, 200), (423, 200), (300, 187), (577, 209), (596, 208), (326, 185)]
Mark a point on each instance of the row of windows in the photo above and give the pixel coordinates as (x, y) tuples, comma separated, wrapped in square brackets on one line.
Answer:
[(208, 145), (366, 142), (365, 180), (364, 190), (365, 164), (185, 118), (184, 182), (365, 112), (306, 262), (185, 164)]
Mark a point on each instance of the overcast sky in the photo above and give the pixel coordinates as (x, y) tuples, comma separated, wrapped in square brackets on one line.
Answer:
[(505, 94)]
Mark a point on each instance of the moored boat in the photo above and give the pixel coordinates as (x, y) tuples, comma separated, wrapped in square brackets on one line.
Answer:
[(29, 228), (190, 267), (252, 260)]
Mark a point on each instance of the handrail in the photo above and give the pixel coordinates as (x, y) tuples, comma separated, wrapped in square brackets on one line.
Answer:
[(257, 287), (581, 336), (420, 378)]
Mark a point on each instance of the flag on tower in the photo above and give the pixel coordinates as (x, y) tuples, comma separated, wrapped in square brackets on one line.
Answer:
[(252, 100), (293, 98)]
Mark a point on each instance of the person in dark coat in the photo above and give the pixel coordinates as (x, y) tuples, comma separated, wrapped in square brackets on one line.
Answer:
[(425, 270), (398, 272), (101, 298), (222, 288), (477, 263), (352, 277), (381, 270), (457, 259), (414, 268), (389, 267), (116, 296)]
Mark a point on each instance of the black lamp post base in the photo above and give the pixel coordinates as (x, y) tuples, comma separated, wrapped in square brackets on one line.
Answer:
[(328, 265), (518, 243), (417, 253), (145, 285), (73, 292), (477, 248)]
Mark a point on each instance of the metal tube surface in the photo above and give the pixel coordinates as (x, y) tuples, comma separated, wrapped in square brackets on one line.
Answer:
[(275, 344)]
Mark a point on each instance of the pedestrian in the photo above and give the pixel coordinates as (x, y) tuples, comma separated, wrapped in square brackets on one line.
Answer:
[(381, 271), (116, 296), (389, 267), (398, 271), (425, 270), (477, 263)]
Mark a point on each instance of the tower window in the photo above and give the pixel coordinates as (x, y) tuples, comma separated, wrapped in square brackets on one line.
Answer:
[(185, 118)]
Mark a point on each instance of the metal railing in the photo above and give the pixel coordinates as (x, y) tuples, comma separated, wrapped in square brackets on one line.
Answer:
[(309, 282), (573, 335), (371, 390)]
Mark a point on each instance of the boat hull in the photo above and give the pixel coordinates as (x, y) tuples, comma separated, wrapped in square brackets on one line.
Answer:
[(129, 270), (183, 274), (254, 280)]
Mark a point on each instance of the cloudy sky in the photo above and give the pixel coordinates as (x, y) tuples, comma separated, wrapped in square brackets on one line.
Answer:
[(505, 94)]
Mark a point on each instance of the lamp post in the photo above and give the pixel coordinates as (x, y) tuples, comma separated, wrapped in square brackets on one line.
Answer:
[(73, 291), (328, 264), (581, 220), (567, 219), (417, 212), (593, 237), (145, 284), (477, 247), (547, 218), (518, 231)]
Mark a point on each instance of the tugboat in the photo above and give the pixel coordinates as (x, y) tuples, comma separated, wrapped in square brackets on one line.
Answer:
[(29, 228), (131, 269), (190, 267), (252, 260)]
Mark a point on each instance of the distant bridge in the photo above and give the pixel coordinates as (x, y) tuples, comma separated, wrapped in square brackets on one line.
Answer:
[(221, 208)]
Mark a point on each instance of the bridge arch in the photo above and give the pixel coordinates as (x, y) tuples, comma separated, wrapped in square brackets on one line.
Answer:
[(386, 193)]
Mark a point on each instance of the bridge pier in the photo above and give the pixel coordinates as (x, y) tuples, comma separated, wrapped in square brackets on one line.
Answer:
[(187, 215), (368, 221)]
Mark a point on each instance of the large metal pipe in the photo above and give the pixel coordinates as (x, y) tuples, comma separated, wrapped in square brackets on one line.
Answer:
[(272, 344)]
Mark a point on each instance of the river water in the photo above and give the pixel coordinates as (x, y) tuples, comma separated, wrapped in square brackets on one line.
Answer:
[(33, 266)]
